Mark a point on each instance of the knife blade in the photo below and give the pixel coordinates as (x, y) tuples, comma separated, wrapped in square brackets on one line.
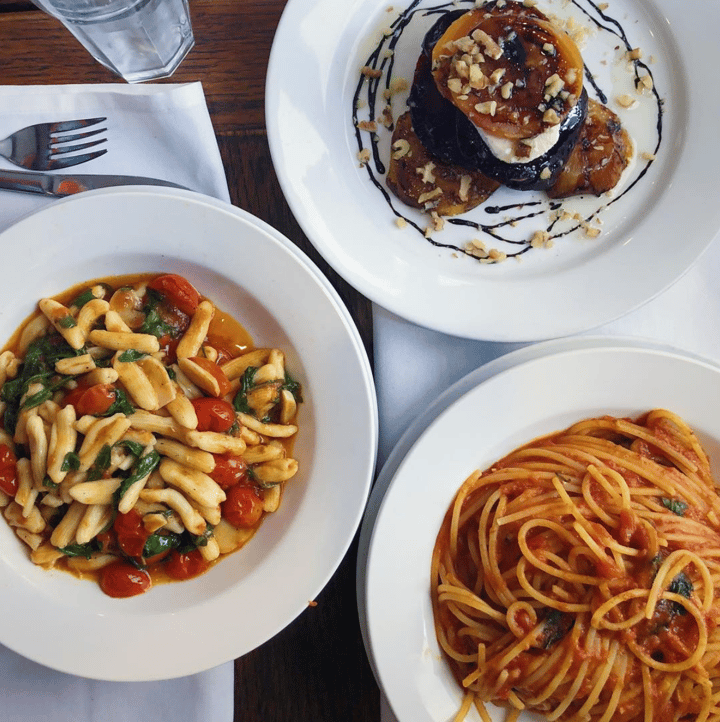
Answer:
[(60, 185)]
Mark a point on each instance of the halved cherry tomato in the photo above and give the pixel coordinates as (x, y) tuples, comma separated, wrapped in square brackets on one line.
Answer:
[(121, 579), (94, 400), (185, 566), (213, 414), (243, 507), (212, 368), (229, 470), (131, 534), (8, 473), (178, 291)]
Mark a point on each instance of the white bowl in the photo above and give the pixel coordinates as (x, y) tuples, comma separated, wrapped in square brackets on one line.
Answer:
[(252, 272)]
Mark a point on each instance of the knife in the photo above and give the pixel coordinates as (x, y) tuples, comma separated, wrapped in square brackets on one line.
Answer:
[(67, 184)]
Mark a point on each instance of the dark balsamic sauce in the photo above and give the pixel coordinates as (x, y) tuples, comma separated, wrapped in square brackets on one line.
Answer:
[(372, 89)]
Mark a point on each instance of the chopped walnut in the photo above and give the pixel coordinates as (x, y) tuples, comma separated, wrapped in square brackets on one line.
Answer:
[(427, 172), (551, 117), (369, 125), (626, 101), (369, 72), (487, 108), (400, 149)]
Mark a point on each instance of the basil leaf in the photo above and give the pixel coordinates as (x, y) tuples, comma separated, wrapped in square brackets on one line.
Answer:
[(48, 482), (675, 505)]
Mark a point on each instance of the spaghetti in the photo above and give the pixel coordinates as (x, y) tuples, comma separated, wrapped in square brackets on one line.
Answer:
[(579, 577)]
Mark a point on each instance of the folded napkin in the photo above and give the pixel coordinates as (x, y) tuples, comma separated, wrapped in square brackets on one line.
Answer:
[(162, 131), (686, 316)]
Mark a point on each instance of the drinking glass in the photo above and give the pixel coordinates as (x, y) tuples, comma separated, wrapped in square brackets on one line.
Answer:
[(136, 39)]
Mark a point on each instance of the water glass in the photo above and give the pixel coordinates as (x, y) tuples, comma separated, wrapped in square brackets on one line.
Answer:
[(136, 39)]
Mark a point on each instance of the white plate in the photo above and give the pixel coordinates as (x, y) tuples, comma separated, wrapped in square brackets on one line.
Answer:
[(567, 382), (650, 236), (264, 281)]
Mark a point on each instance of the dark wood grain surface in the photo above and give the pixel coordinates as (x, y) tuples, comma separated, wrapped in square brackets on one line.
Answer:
[(316, 669)]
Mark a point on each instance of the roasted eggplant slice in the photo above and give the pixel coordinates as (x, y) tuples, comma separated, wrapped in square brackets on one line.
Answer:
[(424, 181), (509, 70), (599, 158), (451, 136)]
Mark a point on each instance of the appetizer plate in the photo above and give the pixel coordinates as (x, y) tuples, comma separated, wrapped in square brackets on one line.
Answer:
[(252, 272), (653, 226), (529, 393)]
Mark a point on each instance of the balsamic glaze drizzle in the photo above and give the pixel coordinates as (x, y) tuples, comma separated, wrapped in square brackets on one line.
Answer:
[(383, 58)]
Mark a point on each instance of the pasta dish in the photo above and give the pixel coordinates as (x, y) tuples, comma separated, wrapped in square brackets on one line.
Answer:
[(579, 577), (142, 435)]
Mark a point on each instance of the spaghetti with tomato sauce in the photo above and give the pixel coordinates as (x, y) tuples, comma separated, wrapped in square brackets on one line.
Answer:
[(579, 577), (143, 436)]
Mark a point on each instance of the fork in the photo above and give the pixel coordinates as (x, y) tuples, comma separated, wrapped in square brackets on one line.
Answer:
[(44, 147)]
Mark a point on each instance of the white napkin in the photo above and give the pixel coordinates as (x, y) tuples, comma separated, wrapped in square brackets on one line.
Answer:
[(686, 316), (161, 131)]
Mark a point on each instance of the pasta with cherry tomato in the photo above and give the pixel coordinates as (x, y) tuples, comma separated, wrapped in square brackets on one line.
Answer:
[(143, 437)]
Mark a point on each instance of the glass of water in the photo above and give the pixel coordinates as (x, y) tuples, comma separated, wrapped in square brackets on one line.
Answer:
[(137, 39)]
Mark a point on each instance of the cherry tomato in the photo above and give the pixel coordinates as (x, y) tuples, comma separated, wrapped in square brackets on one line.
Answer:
[(229, 470), (217, 373), (121, 579), (131, 534), (213, 414), (243, 506), (178, 291), (185, 566), (93, 400), (8, 473)]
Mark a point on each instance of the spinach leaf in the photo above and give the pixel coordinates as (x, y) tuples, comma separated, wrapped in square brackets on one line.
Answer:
[(71, 462), (154, 323), (189, 542), (144, 466), (160, 542), (81, 550), (247, 381), (130, 355), (134, 447), (85, 297), (37, 367), (294, 387), (121, 405), (102, 462)]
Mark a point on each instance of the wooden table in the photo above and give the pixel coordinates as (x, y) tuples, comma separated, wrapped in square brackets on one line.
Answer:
[(316, 670)]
